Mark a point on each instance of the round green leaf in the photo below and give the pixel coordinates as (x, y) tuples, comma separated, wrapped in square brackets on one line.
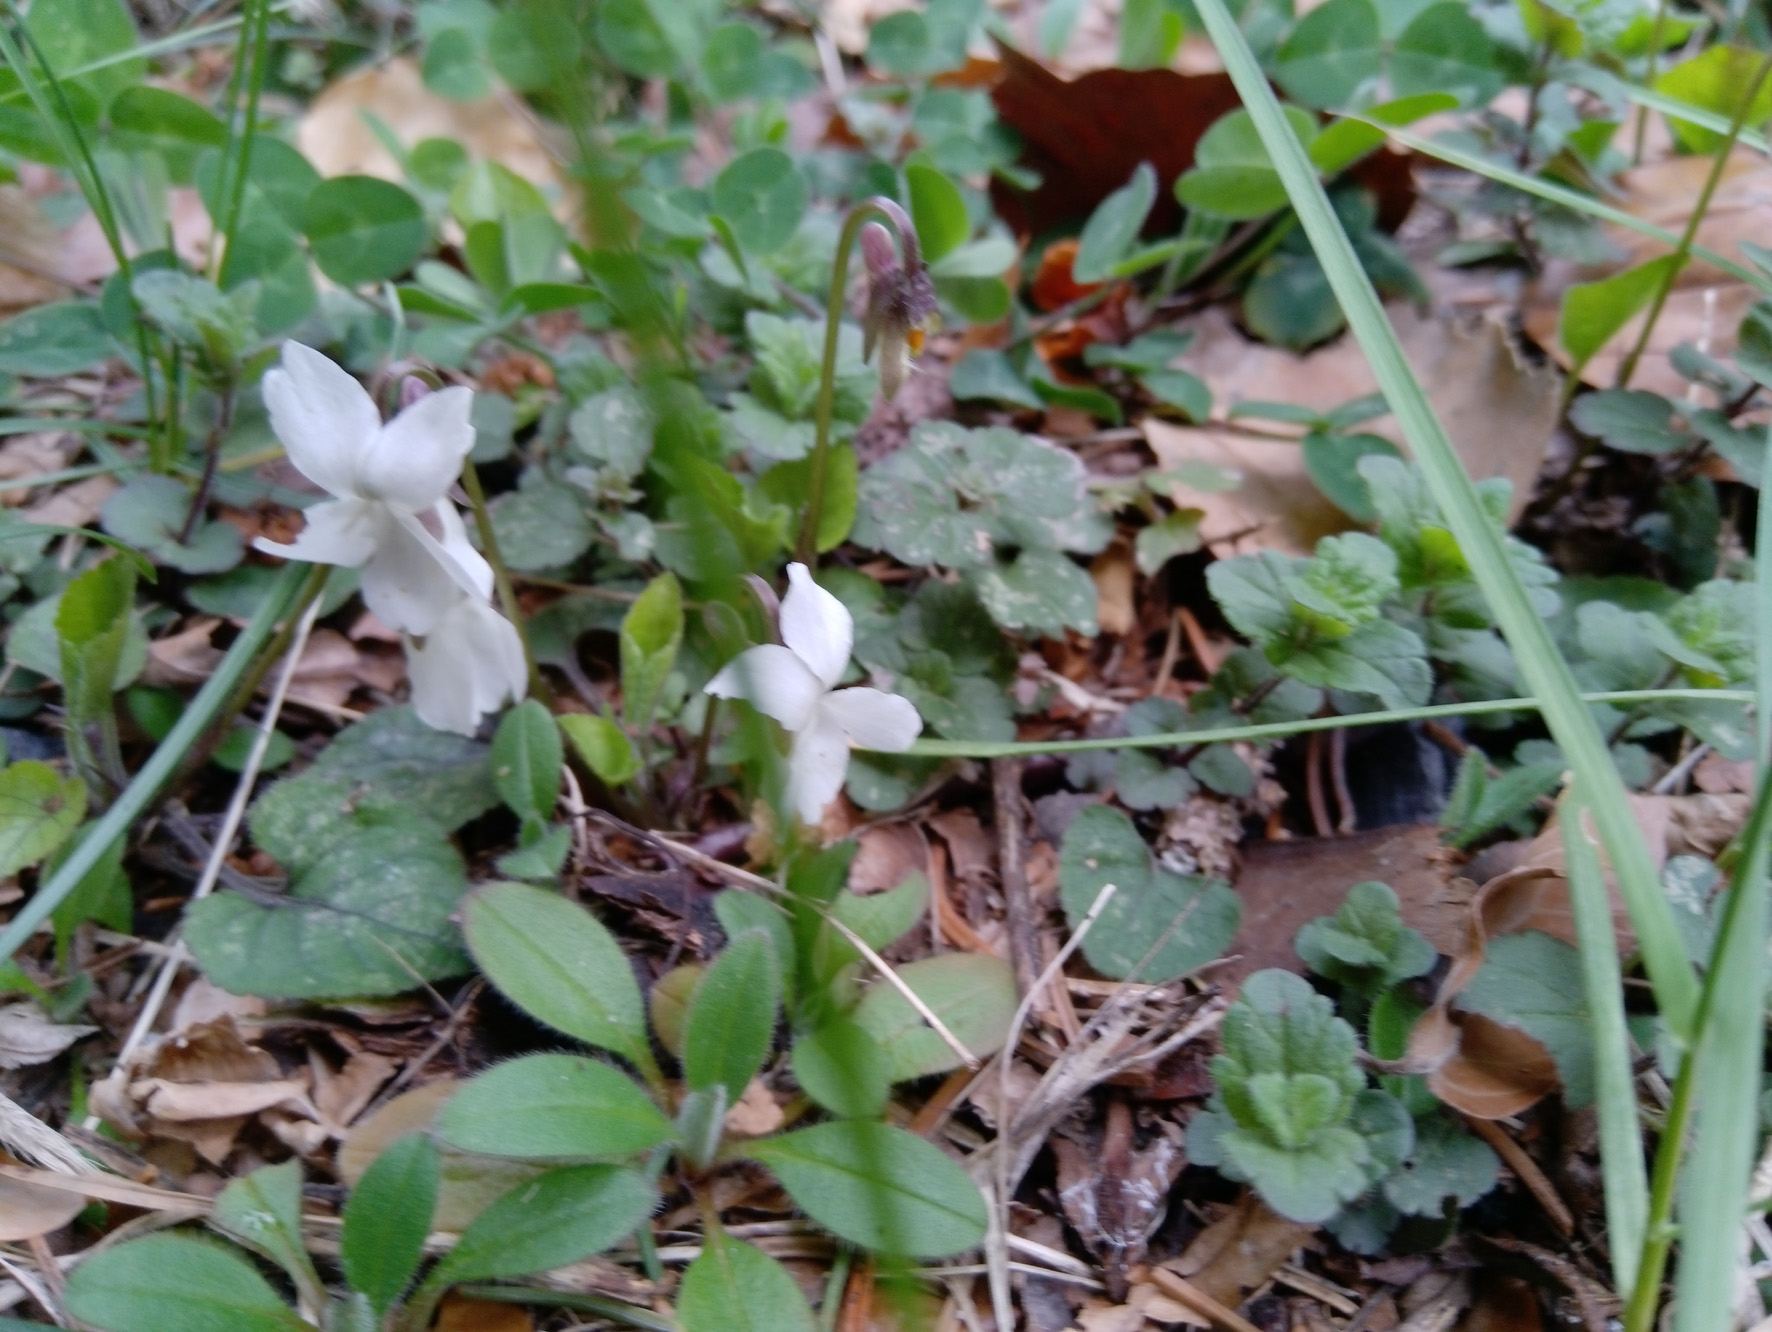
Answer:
[(938, 211), (549, 1221), (1333, 462), (735, 1287), (558, 963), (552, 1106), (762, 196), (878, 1186), (176, 1283), (363, 230), (972, 993), (1445, 50), (1333, 50), (60, 339)]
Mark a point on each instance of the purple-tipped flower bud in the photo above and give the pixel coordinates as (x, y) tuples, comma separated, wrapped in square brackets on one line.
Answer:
[(412, 388), (901, 305)]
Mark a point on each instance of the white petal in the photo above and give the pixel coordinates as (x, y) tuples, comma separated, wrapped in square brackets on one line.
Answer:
[(342, 531), (471, 663), (816, 766), (450, 544), (773, 681), (873, 719), (323, 417), (413, 460), (411, 582), (816, 626)]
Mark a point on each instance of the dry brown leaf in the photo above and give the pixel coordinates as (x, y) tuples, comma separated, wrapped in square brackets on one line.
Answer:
[(1285, 884), (1707, 305), (972, 853), (1239, 1251), (74, 506), (183, 658), (185, 1102), (1498, 410), (1114, 1193), (26, 456), (1717, 775), (29, 1210), (27, 1036), (343, 1095), (335, 135), (756, 1113), (886, 856), (1115, 577)]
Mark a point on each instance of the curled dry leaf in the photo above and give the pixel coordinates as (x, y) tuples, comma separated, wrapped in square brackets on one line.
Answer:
[(1114, 1192), (887, 855), (29, 1210), (27, 1036), (199, 1085)]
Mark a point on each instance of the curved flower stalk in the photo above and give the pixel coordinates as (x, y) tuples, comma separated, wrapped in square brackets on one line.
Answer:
[(796, 685), (391, 517)]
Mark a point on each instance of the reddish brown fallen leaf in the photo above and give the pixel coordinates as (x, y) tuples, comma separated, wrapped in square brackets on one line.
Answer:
[(886, 856), (1085, 137), (1285, 884), (458, 1313), (1492, 1071), (1053, 286)]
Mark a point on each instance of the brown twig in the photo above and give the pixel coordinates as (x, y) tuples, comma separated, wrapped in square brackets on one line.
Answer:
[(1185, 1292), (1535, 1180), (1313, 785), (1018, 907)]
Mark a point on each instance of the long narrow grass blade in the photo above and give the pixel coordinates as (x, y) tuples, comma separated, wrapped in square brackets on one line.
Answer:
[(1541, 665), (1714, 1183), (1697, 115), (984, 749), (137, 796), (1622, 1169), (1562, 194)]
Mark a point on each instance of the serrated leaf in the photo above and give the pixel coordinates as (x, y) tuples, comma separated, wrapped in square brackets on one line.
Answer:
[(559, 964), (39, 810), (552, 1106), (877, 1186), (1365, 943), (1041, 592), (614, 428), (1447, 1163)]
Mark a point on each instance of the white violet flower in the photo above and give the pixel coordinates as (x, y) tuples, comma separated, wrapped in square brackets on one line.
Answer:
[(467, 666), (796, 685), (388, 513)]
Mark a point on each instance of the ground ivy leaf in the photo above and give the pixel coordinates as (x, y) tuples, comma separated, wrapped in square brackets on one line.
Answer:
[(540, 527), (1447, 1163), (1633, 420), (369, 917)]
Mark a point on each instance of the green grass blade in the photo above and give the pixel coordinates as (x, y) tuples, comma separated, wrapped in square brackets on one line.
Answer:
[(1622, 1168), (1710, 120), (1541, 665), (1714, 1184), (1562, 194), (140, 793), (984, 749)]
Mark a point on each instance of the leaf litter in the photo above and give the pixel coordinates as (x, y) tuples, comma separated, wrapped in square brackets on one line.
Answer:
[(349, 897)]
